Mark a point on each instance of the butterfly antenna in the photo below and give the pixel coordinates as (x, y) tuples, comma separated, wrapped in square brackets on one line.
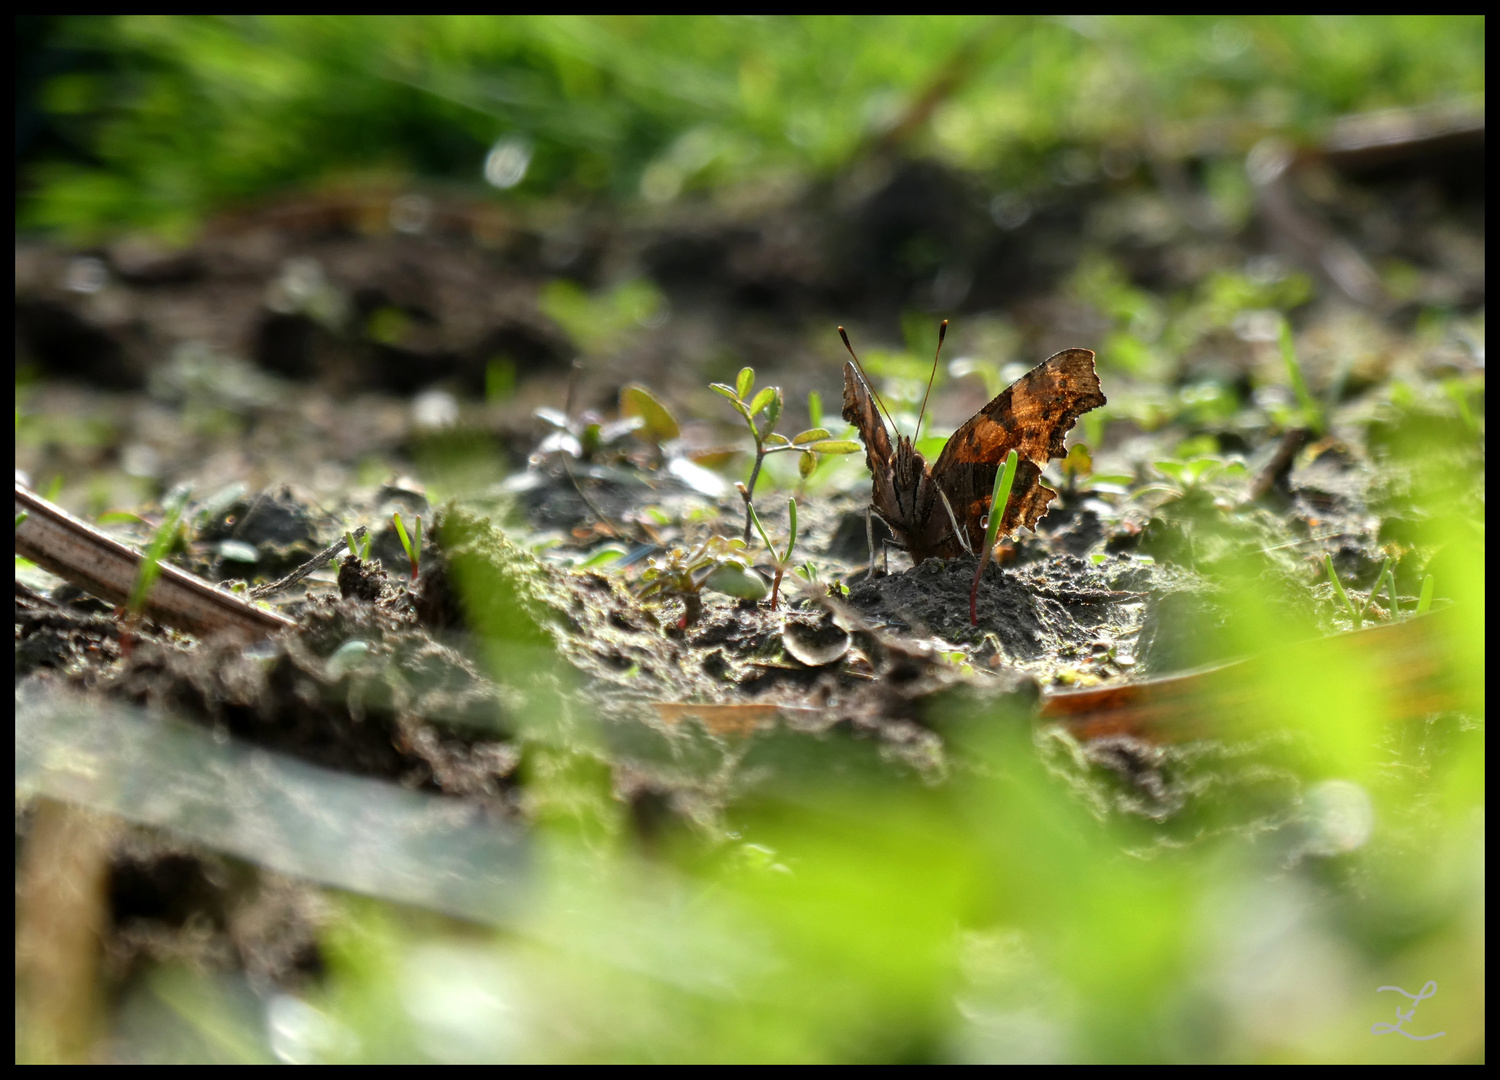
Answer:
[(942, 333), (871, 385)]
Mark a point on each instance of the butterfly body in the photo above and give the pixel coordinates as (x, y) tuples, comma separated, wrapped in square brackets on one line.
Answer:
[(939, 511)]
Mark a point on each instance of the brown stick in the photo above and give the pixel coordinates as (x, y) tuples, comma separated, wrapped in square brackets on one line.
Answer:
[(1407, 661), (79, 553)]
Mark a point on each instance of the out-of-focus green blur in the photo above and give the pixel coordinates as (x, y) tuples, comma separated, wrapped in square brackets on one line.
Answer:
[(157, 121)]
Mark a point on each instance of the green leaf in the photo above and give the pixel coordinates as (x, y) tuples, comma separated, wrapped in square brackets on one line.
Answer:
[(777, 440), (1004, 480), (661, 425), (727, 391), (401, 532), (734, 581), (604, 555), (762, 399), (807, 464), (791, 513), (773, 412), (1079, 463), (811, 435), (1390, 584), (815, 408), (745, 381), (755, 520), (833, 446), (1312, 414), (156, 551)]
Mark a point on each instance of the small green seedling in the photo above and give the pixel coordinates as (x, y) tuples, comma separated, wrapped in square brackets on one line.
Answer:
[(656, 424), (412, 545), (1076, 466), (359, 546), (779, 559), (1386, 579), (1312, 413), (1364, 609), (1338, 590), (815, 440), (1192, 475), (162, 541), (1425, 600), (999, 500), (715, 564), (584, 437)]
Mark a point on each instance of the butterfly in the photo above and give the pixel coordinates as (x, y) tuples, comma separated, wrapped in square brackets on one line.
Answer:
[(940, 511)]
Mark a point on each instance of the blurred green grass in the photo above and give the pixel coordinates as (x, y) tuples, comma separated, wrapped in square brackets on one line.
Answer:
[(157, 121)]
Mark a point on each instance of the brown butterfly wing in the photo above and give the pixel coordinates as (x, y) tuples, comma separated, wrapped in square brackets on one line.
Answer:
[(1031, 416), (861, 411)]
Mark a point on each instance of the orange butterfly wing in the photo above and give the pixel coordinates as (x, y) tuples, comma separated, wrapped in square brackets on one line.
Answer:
[(1031, 416)]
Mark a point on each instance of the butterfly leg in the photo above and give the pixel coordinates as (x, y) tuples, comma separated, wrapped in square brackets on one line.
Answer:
[(870, 536)]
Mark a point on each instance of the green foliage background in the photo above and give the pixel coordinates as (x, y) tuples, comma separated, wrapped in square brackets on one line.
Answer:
[(170, 117)]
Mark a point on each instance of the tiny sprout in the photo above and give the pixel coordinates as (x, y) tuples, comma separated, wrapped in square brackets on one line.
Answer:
[(1387, 578), (1338, 590), (815, 440), (359, 546), (715, 564), (412, 545), (779, 559), (161, 543), (1311, 411), (999, 500), (1425, 600), (657, 425)]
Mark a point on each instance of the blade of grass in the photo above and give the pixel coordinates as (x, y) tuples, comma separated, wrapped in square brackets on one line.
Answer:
[(161, 543), (1338, 589), (1390, 586), (1004, 480), (405, 543), (1385, 568), (1425, 601), (1312, 412)]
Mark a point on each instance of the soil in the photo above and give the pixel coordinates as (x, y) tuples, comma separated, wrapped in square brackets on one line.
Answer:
[(254, 364)]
